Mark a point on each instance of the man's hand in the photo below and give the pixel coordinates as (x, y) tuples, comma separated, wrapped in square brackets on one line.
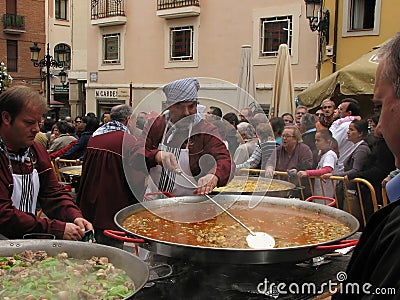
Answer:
[(73, 232), (83, 224), (206, 184), (167, 160), (76, 231)]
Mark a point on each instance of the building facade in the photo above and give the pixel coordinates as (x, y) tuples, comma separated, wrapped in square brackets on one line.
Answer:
[(356, 27), (127, 50)]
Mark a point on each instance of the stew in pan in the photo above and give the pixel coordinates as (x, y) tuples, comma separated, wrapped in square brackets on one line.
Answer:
[(289, 226)]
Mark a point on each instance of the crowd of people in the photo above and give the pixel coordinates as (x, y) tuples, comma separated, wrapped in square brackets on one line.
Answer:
[(208, 147)]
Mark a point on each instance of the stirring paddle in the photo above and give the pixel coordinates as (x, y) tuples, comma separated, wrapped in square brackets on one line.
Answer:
[(255, 240)]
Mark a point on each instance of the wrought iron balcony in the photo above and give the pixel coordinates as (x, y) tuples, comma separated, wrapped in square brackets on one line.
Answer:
[(178, 8), (13, 24), (108, 12)]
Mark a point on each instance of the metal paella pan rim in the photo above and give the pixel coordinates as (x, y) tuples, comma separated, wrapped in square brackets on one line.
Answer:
[(236, 255)]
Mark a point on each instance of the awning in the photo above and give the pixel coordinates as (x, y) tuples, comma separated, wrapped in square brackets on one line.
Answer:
[(357, 78), (55, 103)]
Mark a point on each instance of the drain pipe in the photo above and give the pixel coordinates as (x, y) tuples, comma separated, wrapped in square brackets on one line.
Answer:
[(335, 36)]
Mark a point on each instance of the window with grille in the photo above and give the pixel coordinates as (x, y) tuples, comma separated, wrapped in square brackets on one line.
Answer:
[(12, 56), (275, 31), (181, 43), (65, 49), (362, 14), (60, 8), (111, 49)]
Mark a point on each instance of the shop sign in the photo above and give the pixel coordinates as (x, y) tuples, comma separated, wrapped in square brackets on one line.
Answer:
[(106, 93), (61, 89)]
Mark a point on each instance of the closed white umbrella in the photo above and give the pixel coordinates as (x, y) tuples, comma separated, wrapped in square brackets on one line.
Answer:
[(283, 88), (246, 87)]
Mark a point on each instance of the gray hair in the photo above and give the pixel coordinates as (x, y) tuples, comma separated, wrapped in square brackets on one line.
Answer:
[(302, 106), (391, 53), (328, 100), (247, 130), (121, 112), (308, 121)]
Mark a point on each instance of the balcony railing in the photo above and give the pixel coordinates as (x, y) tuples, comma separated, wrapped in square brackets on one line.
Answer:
[(107, 8), (168, 4), (13, 23)]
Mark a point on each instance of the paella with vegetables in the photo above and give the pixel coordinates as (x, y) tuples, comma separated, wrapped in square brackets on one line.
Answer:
[(36, 275)]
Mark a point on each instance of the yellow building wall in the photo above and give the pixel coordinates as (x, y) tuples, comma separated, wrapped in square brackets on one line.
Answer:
[(351, 48)]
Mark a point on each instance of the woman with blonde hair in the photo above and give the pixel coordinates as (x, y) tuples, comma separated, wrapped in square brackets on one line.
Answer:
[(293, 155)]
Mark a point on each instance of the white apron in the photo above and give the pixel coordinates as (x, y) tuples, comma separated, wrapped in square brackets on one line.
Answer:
[(162, 180), (25, 191)]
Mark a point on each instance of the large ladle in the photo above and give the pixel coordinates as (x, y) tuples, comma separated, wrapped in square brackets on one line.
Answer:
[(255, 240)]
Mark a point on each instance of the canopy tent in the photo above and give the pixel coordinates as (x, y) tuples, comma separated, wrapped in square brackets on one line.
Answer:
[(357, 78), (283, 88)]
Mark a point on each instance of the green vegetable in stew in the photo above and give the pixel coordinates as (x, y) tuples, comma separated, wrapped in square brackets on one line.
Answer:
[(35, 275)]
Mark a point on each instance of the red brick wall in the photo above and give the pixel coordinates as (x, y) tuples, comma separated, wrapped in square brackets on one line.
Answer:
[(34, 15)]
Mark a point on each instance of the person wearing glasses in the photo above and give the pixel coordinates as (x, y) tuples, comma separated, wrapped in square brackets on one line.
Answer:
[(292, 156), (318, 115), (328, 108)]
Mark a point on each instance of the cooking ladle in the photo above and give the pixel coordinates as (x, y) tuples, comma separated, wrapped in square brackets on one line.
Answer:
[(255, 240)]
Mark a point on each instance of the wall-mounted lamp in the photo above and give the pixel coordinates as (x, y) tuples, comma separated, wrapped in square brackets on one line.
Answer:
[(318, 18), (63, 77)]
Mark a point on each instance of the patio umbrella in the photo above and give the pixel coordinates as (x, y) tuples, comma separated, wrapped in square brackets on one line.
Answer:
[(246, 91), (283, 90), (357, 78)]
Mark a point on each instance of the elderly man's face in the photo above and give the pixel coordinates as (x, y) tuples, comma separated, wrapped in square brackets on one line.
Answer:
[(328, 108), (182, 113), (385, 97)]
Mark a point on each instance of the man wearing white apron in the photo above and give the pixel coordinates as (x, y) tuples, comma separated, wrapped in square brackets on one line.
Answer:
[(26, 175), (181, 139)]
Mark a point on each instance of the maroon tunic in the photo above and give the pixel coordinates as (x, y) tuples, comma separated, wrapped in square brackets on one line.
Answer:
[(106, 184), (56, 203), (205, 147)]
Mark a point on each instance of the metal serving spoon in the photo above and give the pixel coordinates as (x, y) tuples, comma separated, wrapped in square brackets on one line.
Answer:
[(255, 240)]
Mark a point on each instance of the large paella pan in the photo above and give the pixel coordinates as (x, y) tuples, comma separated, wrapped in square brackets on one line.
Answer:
[(163, 243)]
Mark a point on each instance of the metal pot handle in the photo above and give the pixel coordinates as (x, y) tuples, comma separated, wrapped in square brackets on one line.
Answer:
[(148, 196), (168, 274), (342, 244), (121, 236), (331, 203)]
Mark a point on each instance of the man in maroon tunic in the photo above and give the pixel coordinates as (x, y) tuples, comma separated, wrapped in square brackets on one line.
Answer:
[(107, 185), (169, 135), (26, 176)]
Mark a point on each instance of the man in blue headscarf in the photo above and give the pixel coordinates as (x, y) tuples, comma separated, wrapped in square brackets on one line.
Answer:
[(181, 140)]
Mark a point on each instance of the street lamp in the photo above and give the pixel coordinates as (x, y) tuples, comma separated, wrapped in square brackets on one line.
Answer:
[(318, 18), (48, 62)]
